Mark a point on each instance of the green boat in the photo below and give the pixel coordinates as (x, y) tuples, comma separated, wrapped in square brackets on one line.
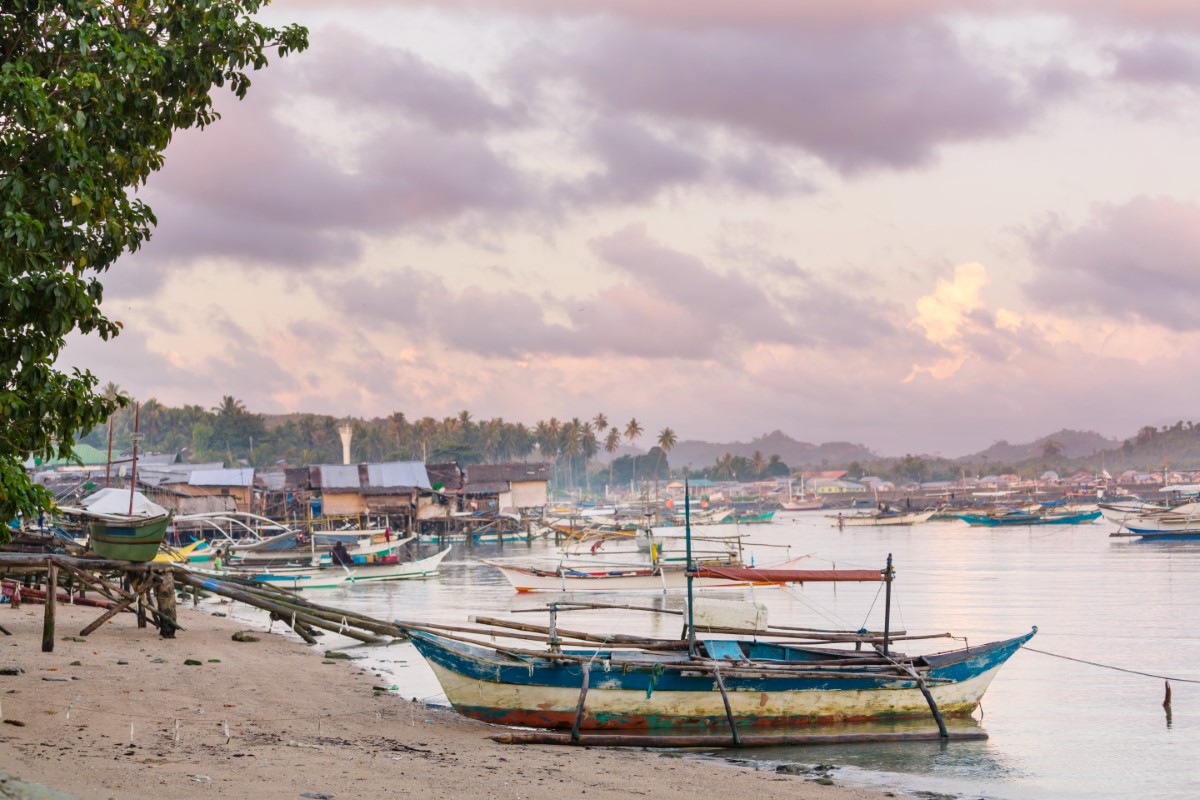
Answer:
[(126, 538)]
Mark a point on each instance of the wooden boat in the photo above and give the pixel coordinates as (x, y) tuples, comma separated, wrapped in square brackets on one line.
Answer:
[(635, 578), (126, 537), (802, 505), (1019, 518), (877, 517), (122, 524), (333, 577), (739, 683), (631, 683)]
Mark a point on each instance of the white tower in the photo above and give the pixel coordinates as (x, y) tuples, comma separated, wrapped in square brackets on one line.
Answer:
[(345, 430)]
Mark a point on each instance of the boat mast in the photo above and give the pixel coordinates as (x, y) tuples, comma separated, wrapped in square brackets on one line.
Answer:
[(137, 407), (888, 575), (691, 568), (108, 458)]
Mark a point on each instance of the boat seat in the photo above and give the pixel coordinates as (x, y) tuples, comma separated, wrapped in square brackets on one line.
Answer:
[(724, 649)]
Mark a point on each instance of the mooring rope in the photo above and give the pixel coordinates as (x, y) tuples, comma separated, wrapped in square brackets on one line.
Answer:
[(1110, 666)]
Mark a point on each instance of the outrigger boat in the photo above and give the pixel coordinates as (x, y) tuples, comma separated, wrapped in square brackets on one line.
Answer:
[(332, 577), (631, 685), (880, 516), (596, 577), (1015, 517)]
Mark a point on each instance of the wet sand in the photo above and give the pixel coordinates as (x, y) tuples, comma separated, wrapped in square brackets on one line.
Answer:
[(272, 719)]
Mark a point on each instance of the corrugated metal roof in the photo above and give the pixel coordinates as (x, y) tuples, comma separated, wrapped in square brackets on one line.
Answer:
[(242, 476), (398, 473), (339, 476)]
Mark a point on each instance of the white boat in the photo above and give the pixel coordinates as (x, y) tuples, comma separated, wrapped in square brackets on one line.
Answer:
[(333, 577), (628, 578), (1180, 519), (877, 517)]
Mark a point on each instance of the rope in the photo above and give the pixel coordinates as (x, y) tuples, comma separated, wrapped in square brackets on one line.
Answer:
[(1109, 666)]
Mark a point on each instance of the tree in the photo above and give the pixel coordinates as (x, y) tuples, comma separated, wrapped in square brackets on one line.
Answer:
[(666, 440), (632, 431), (90, 96), (611, 443), (1051, 449)]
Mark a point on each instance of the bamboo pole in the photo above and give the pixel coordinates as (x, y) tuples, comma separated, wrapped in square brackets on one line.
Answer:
[(281, 611)]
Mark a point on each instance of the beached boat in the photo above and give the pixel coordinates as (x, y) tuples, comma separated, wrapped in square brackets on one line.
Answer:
[(877, 517), (616, 578), (630, 683), (1019, 518), (122, 524)]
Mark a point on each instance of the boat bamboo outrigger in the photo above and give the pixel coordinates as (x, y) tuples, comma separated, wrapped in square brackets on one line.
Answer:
[(632, 685)]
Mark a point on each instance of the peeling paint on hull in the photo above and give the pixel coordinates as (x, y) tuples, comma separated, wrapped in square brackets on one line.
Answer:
[(536, 693)]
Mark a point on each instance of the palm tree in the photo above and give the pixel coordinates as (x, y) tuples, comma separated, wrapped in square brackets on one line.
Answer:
[(611, 443), (666, 440), (600, 422), (632, 431), (758, 463)]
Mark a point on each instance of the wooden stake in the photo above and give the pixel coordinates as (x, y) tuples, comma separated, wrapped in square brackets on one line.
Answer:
[(579, 707), (51, 606)]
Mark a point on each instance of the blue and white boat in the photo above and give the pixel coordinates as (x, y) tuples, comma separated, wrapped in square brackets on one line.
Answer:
[(702, 682)]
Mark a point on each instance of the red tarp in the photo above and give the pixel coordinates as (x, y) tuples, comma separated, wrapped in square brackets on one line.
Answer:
[(789, 575)]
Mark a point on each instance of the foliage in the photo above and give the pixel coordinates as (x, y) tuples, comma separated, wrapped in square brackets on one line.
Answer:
[(90, 96)]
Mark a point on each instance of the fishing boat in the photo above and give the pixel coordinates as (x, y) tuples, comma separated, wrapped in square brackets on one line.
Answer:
[(1178, 522), (802, 505), (122, 524), (880, 516), (333, 577), (1018, 517), (568, 577), (701, 682)]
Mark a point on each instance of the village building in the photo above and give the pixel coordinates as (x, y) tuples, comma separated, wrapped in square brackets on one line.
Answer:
[(506, 487), (390, 491)]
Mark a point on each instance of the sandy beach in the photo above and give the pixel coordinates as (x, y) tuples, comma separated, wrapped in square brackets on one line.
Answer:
[(120, 715)]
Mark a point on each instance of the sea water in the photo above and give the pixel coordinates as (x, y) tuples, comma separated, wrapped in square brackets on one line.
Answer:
[(1058, 728)]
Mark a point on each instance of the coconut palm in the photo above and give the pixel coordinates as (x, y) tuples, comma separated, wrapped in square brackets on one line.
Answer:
[(666, 440), (600, 422), (611, 443), (633, 429)]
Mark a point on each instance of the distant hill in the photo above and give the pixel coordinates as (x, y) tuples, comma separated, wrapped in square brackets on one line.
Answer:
[(696, 454), (1075, 444)]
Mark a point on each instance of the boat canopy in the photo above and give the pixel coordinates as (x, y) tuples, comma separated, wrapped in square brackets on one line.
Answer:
[(1183, 488), (112, 501)]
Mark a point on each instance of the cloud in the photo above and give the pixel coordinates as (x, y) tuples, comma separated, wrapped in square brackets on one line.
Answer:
[(357, 74), (1158, 62), (859, 99), (954, 319), (1135, 261)]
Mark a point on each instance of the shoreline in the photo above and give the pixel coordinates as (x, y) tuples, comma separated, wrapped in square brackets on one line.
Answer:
[(275, 716)]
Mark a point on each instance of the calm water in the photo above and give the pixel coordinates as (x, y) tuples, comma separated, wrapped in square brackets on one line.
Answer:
[(1059, 729)]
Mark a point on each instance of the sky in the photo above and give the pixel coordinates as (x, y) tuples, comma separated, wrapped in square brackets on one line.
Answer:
[(918, 225)]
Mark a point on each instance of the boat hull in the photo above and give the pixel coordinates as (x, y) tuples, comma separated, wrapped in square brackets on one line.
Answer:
[(1019, 520), (335, 577), (493, 687), (127, 540)]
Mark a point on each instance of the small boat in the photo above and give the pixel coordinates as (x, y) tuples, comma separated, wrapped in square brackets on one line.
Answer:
[(802, 505), (631, 684), (333, 577), (1019, 518), (122, 524), (620, 682), (878, 517), (630, 578)]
